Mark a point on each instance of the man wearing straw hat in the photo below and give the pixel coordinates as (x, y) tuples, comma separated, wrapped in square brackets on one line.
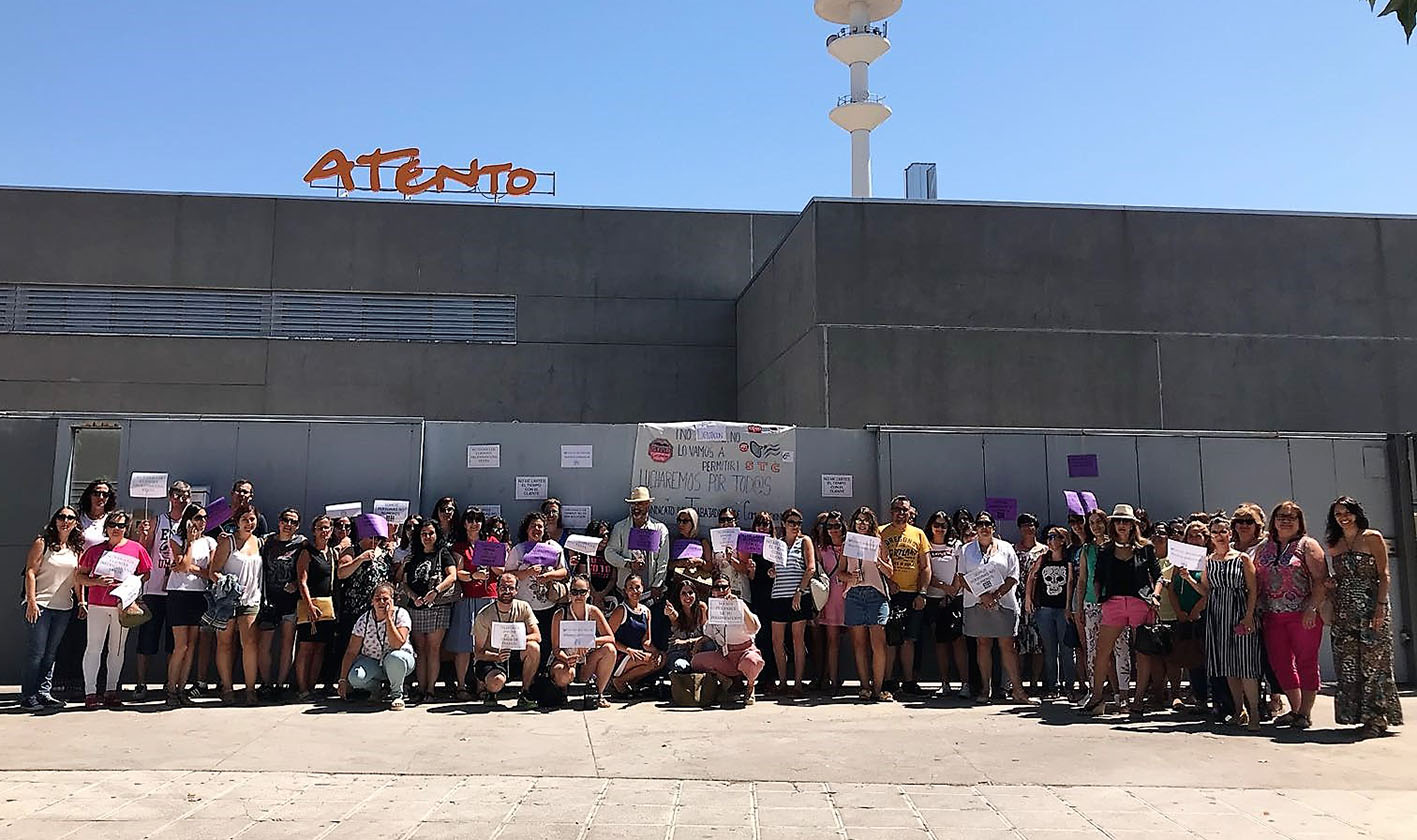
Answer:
[(651, 566)]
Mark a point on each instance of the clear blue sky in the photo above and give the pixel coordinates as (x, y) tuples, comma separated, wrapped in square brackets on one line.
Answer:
[(1274, 104)]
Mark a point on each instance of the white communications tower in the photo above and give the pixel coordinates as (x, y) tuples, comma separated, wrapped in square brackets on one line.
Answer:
[(857, 45)]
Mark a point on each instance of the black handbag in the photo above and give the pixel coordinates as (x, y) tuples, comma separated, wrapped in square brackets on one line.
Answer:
[(1070, 635), (1154, 639), (895, 626)]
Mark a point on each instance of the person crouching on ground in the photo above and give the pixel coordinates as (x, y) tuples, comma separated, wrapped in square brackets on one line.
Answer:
[(593, 663), (492, 663), (736, 654), (379, 648)]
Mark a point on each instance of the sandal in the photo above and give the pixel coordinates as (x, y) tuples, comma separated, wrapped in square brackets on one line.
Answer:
[(1300, 722), (1371, 730), (864, 694), (885, 697), (1286, 719)]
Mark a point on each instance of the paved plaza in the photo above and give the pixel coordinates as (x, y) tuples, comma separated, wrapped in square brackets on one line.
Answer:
[(770, 772)]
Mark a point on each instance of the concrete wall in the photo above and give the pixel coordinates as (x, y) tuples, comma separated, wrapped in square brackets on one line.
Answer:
[(608, 301), (1147, 318)]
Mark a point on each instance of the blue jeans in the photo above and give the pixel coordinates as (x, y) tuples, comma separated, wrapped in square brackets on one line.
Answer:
[(1052, 624), (367, 672), (42, 643)]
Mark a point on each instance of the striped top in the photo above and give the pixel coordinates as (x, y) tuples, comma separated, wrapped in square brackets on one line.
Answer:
[(1229, 654), (789, 574)]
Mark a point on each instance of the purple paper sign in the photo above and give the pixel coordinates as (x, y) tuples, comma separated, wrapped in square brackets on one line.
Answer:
[(1082, 466), (645, 539), (1002, 508), (489, 553), (1090, 501), (542, 554), (217, 513), (371, 523), (751, 542), (1074, 502), (682, 549)]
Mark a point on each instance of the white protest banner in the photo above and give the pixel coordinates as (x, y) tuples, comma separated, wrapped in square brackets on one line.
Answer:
[(725, 611), (577, 635), (723, 539), (508, 635), (1185, 556), (344, 509), (115, 565), (710, 432), (576, 456), (836, 486), (484, 456), (582, 544), (147, 485), (862, 546), (984, 578), (128, 591), (775, 551), (532, 487), (746, 471), (394, 510), (575, 516)]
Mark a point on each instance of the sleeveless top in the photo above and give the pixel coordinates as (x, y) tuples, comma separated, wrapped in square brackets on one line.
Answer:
[(1283, 583), (789, 574), (54, 582), (161, 555), (631, 632), (247, 569)]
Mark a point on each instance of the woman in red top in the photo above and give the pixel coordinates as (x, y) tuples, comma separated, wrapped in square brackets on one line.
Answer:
[(479, 588), (115, 559)]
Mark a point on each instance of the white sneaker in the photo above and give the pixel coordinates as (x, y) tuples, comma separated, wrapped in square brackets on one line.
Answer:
[(396, 705)]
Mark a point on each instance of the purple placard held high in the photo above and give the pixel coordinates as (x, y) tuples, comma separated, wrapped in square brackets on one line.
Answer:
[(1074, 502), (645, 539), (1082, 466), (1090, 501), (683, 549), (489, 553), (751, 542), (542, 554), (217, 514), (1002, 508)]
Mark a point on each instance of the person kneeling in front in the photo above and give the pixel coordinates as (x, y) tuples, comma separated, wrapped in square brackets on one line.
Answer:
[(379, 648), (595, 663), (736, 655), (492, 662)]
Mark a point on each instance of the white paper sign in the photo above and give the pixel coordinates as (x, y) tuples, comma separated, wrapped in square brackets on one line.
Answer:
[(984, 578), (725, 611), (575, 516), (836, 486), (710, 432), (115, 565), (775, 551), (1185, 556), (201, 494), (508, 635), (484, 456), (394, 510), (862, 546), (128, 591), (723, 539), (532, 487), (577, 456), (490, 511), (143, 485), (344, 509), (582, 544), (577, 635)]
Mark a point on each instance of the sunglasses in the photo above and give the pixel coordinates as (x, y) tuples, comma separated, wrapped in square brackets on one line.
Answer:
[(103, 493), (684, 520), (984, 524), (111, 525), (834, 526), (1243, 522), (286, 520), (794, 522), (199, 516), (720, 587), (66, 517), (580, 593)]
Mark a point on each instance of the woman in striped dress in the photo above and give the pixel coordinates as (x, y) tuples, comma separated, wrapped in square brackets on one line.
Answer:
[(1231, 644)]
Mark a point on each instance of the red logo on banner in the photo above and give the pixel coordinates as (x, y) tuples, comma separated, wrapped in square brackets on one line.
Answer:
[(660, 450), (755, 430)]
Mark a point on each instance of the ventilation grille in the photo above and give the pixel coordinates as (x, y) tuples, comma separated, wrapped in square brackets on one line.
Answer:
[(338, 316)]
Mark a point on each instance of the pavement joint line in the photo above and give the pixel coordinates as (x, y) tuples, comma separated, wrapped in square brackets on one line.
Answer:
[(197, 806), (345, 815), (753, 811), (929, 832), (594, 809), (1333, 816), (836, 812), (674, 809), (512, 811)]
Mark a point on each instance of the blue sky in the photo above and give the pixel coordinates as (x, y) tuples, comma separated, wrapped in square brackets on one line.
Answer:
[(1271, 104)]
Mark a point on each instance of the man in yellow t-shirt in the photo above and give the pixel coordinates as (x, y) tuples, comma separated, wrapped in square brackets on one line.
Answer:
[(909, 551)]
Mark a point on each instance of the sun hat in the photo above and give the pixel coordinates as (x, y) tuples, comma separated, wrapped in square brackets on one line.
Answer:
[(1123, 512), (640, 494)]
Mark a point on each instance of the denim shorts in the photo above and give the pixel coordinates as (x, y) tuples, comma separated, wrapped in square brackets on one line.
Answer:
[(865, 606)]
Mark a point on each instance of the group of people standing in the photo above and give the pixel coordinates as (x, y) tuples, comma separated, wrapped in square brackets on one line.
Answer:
[(358, 605)]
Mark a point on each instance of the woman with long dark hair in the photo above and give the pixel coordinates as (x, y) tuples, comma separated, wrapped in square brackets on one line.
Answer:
[(430, 575), (541, 584), (445, 513), (832, 617), (1362, 621), (315, 577), (1097, 526), (191, 552), (1293, 582), (239, 554), (789, 589), (867, 608), (49, 605), (479, 588), (276, 621), (104, 607)]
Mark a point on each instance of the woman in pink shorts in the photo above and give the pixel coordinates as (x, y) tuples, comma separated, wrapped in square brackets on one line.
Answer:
[(1127, 572), (737, 655)]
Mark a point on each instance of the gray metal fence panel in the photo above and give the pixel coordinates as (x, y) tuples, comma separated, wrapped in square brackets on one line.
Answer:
[(835, 452), (1012, 470), (1235, 470), (1116, 480), (1169, 475)]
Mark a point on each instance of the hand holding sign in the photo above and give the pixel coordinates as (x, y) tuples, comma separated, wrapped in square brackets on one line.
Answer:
[(751, 542), (1185, 556), (775, 551), (862, 546), (489, 553), (582, 544), (984, 579), (577, 635), (725, 612), (645, 539), (723, 539), (508, 635)]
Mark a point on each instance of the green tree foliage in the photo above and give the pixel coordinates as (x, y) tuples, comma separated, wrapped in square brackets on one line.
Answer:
[(1406, 11)]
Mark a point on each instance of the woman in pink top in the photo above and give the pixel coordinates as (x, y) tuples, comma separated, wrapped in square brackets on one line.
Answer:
[(112, 557), (831, 538), (1291, 575), (737, 655)]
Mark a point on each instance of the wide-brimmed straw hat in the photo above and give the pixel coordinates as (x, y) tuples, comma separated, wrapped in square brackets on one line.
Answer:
[(640, 494), (1123, 512)]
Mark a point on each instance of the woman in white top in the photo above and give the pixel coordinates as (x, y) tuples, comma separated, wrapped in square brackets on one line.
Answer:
[(944, 604), (191, 552), (49, 605), (991, 614), (239, 555), (735, 654), (543, 585)]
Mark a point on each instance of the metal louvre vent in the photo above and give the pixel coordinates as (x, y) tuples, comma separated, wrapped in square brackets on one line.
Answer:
[(350, 316), (374, 317)]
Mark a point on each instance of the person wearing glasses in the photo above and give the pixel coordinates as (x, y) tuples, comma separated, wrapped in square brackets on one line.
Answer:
[(280, 553), (909, 551), (1232, 645), (791, 587), (155, 635), (191, 551), (944, 601), (602, 575), (867, 608), (1247, 523), (1046, 599), (650, 566), (555, 528), (49, 604), (492, 666), (738, 568), (430, 578), (594, 664), (479, 588), (991, 614), (97, 501), (698, 569), (832, 617), (243, 493), (104, 608), (1293, 582), (1127, 572), (736, 655), (445, 513)]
